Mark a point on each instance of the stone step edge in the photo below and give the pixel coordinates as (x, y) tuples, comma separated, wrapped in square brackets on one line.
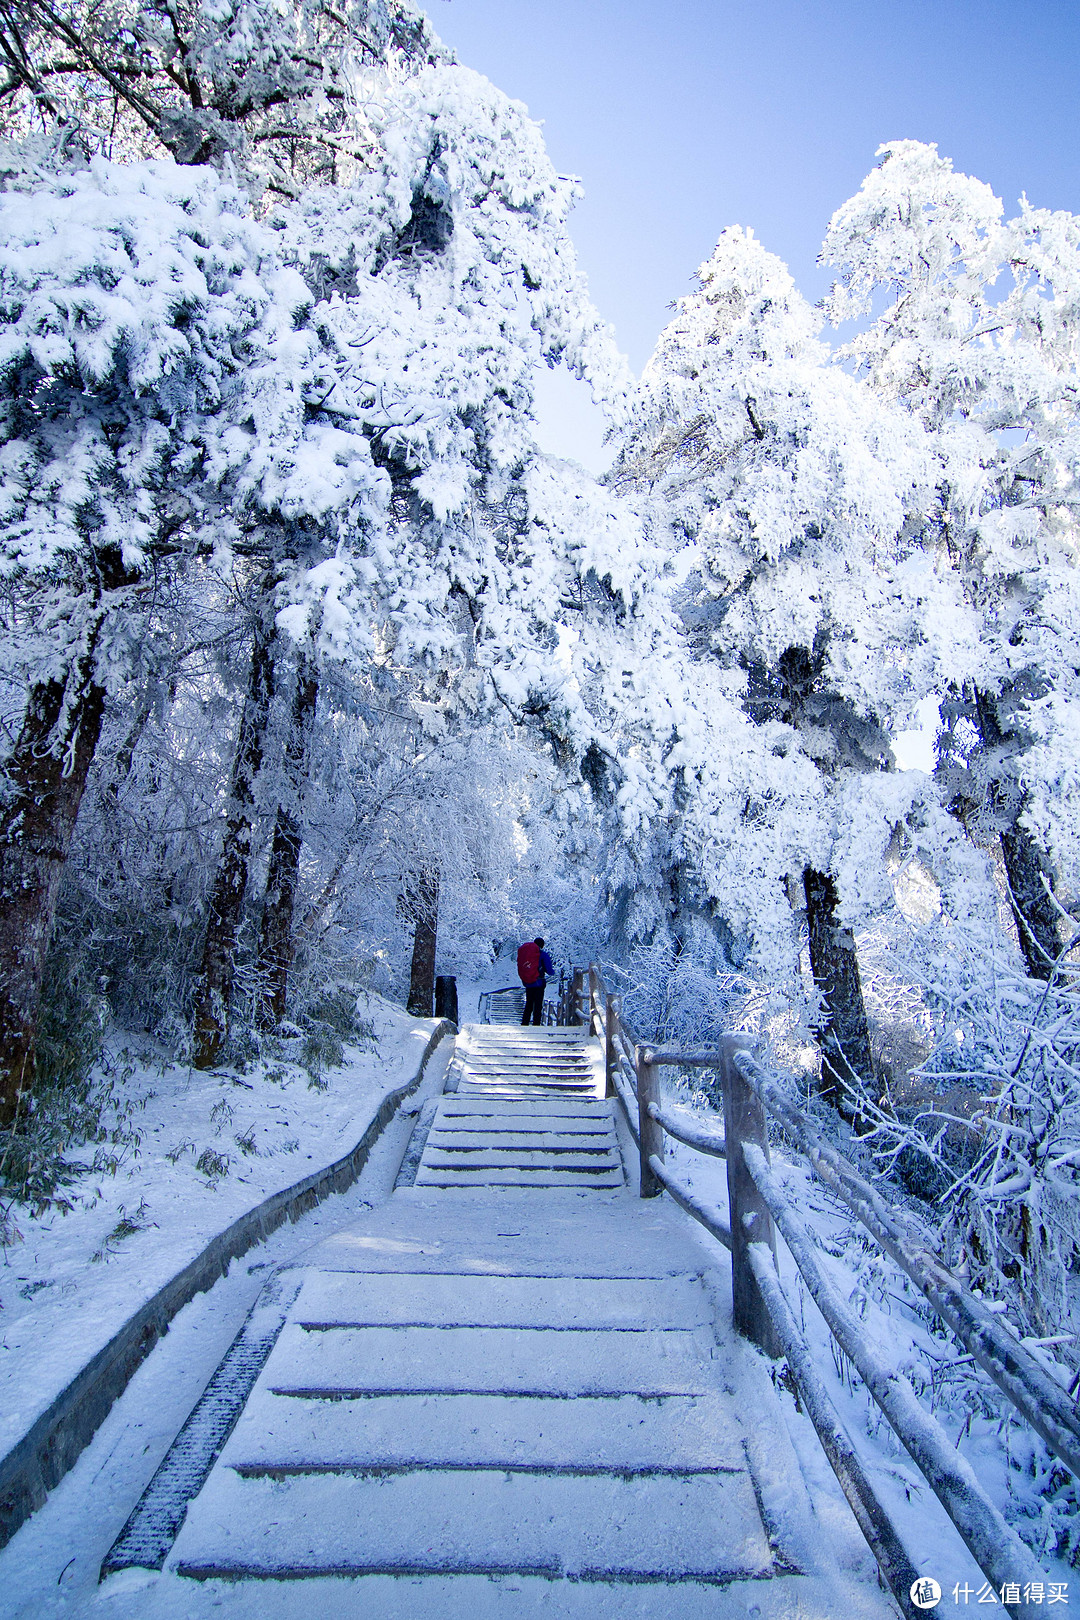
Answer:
[(622, 1576), (38, 1461)]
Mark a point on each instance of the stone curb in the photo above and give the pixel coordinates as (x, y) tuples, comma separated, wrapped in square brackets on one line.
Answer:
[(39, 1461)]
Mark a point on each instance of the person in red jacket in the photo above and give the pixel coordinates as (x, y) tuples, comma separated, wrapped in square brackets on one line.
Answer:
[(535, 968)]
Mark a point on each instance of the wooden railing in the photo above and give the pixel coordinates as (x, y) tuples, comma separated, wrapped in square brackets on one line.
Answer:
[(757, 1209)]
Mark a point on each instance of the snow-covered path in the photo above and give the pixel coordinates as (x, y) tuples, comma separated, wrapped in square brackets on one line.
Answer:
[(507, 1400)]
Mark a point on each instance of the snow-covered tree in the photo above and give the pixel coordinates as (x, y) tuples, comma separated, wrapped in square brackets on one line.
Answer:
[(279, 91), (155, 368), (781, 492), (977, 339), (365, 456)]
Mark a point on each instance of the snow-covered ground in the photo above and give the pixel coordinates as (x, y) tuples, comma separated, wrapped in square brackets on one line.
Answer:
[(50, 1567), (212, 1146)]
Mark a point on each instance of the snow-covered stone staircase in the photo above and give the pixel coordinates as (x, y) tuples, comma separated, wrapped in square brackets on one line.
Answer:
[(529, 1111), (515, 1400), (561, 1414)]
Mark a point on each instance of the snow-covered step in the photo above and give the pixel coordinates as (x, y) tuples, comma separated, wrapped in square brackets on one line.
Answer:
[(467, 1144), (497, 1086), (534, 1076), (515, 1089), (536, 1361), (527, 1062), (465, 1107), (509, 1233), (560, 1058), (289, 1435), (522, 1177), (355, 1299), (692, 1526), (455, 1128), (528, 1157)]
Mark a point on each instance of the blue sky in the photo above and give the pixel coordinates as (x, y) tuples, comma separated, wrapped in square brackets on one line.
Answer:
[(697, 114)]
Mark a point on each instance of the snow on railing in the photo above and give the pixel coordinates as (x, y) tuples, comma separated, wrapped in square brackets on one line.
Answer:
[(763, 1314)]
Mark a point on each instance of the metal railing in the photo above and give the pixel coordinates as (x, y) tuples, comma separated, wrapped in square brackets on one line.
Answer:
[(502, 1006), (506, 1005), (757, 1209)]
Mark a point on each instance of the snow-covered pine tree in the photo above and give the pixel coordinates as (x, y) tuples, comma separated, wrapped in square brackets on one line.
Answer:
[(446, 276), (978, 340), (779, 490), (385, 492), (279, 91), (155, 369)]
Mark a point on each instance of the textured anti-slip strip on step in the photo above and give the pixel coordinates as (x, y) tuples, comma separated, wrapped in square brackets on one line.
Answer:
[(509, 1176), (703, 1527), (552, 1060), (461, 1105), (145, 1540), (598, 1147), (374, 1468), (584, 1084), (549, 1113), (523, 1071), (540, 1165), (564, 1065), (523, 1088), (507, 1136), (525, 1091)]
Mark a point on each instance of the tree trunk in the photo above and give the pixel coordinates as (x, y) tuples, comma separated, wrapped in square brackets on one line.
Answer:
[(1032, 908), (422, 900), (48, 772), (230, 885), (843, 1037), (276, 936), (1029, 874)]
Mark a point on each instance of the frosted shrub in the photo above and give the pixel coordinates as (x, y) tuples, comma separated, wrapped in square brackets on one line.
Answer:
[(990, 1131)]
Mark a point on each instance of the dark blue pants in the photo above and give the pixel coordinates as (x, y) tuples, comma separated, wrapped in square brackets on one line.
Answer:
[(534, 1004)]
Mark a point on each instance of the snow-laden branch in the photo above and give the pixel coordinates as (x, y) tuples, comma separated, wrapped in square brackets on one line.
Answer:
[(1037, 1396)]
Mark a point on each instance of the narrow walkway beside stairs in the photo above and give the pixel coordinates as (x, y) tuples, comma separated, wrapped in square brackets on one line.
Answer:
[(515, 1369)]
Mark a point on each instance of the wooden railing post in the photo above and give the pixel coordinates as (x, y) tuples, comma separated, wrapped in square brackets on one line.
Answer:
[(744, 1121), (577, 986), (611, 1056), (650, 1132)]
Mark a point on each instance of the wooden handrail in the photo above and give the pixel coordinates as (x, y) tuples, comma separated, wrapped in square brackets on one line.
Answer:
[(761, 1311), (996, 1547), (702, 1141), (674, 1056)]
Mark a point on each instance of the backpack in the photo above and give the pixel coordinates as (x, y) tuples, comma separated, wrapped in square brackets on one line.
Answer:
[(528, 962)]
